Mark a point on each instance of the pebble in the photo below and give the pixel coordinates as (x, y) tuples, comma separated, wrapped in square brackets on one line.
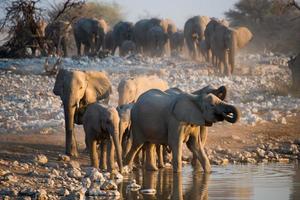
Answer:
[(41, 159), (74, 173), (109, 185)]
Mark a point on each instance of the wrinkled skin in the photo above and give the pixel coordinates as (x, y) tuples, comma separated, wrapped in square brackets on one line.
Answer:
[(122, 31), (58, 34), (109, 42), (294, 65), (130, 89), (194, 33), (101, 123), (127, 47), (176, 42), (157, 40), (161, 118), (91, 34), (77, 89), (224, 45)]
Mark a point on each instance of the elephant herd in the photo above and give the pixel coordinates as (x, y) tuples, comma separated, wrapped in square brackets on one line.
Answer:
[(203, 37), (148, 117)]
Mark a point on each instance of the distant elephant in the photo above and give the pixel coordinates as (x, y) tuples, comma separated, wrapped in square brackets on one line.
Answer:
[(122, 31), (127, 47), (77, 89), (209, 31), (224, 44), (161, 118), (101, 123), (194, 33), (90, 33), (294, 66), (176, 42), (109, 42), (130, 89), (157, 40), (57, 34)]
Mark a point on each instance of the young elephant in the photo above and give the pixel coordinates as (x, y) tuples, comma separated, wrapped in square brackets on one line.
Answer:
[(127, 47), (161, 118), (102, 124)]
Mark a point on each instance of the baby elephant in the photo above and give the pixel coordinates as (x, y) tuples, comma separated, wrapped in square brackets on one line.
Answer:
[(101, 123), (127, 47)]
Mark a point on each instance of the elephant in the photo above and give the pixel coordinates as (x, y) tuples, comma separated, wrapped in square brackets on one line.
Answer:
[(130, 89), (157, 40), (208, 32), (224, 44), (77, 89), (294, 66), (176, 42), (161, 118), (108, 42), (194, 32), (57, 34), (127, 47), (90, 33), (101, 123), (122, 31)]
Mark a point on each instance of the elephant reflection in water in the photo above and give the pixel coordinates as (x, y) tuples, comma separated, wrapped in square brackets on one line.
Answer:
[(169, 185)]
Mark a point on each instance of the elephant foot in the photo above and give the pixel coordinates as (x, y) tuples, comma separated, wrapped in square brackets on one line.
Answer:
[(207, 169), (151, 167), (73, 153), (161, 165)]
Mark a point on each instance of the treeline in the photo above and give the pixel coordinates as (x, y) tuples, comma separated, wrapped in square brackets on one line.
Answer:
[(275, 24)]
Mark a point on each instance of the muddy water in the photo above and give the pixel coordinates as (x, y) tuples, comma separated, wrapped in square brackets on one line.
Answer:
[(271, 181)]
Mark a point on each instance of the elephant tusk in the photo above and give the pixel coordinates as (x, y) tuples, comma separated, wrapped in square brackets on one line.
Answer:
[(77, 105)]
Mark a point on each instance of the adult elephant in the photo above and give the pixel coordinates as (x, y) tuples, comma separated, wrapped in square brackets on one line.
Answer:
[(161, 118), (90, 33), (122, 31), (77, 89), (109, 42), (194, 33), (176, 42), (57, 34), (157, 40), (224, 44)]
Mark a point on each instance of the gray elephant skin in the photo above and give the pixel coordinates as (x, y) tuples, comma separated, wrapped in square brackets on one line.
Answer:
[(176, 42), (58, 34), (101, 123), (90, 33), (157, 40), (77, 89), (294, 66), (122, 31), (194, 32), (109, 42), (161, 118), (127, 47)]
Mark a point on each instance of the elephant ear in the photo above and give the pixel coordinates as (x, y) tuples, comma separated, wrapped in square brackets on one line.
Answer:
[(185, 109), (98, 86), (59, 82)]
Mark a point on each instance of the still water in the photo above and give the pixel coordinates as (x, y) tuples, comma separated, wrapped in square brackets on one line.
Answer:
[(269, 181)]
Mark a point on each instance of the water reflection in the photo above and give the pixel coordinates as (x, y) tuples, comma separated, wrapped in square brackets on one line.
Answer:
[(272, 181)]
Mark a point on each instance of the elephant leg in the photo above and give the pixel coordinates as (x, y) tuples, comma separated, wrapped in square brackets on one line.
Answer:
[(198, 150), (227, 66), (132, 153), (86, 49), (150, 164), (111, 154), (78, 45), (103, 155), (203, 134), (159, 152), (175, 143), (94, 153)]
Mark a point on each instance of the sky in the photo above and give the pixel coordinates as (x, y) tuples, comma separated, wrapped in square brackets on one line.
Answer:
[(177, 10)]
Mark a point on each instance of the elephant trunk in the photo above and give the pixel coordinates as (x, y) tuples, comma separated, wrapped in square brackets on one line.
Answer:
[(115, 137), (230, 113)]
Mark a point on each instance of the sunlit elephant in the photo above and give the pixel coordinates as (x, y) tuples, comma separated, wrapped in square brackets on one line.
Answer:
[(224, 44), (208, 32), (109, 42), (161, 118), (77, 89), (157, 40), (57, 35), (90, 33), (127, 47), (130, 89), (194, 32), (101, 123), (176, 42), (122, 31)]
